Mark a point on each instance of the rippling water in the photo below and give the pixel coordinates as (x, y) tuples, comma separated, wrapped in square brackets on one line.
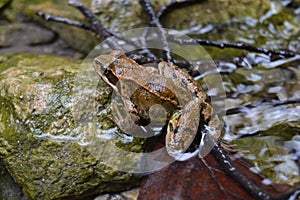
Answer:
[(266, 134)]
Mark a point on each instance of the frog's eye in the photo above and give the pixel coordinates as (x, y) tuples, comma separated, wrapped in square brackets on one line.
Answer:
[(110, 76), (106, 71)]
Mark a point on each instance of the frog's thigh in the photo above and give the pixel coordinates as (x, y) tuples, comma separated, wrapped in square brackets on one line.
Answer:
[(217, 126), (214, 125), (182, 128), (123, 118)]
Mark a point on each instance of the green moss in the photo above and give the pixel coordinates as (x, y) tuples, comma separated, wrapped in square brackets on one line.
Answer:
[(41, 139), (79, 39), (213, 12), (284, 130), (8, 129), (13, 10)]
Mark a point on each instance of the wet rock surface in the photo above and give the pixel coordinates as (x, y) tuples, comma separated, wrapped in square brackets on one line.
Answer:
[(31, 38), (40, 143), (8, 186), (20, 34)]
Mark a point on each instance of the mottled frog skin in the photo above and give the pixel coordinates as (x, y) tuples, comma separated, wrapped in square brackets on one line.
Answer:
[(141, 88)]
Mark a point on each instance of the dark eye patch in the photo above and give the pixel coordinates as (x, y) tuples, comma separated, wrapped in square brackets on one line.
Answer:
[(110, 76)]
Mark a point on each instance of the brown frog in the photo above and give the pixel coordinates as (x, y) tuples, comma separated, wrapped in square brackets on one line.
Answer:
[(166, 88)]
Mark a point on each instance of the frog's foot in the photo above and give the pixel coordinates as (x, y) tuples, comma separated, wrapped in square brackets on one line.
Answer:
[(140, 117), (125, 122), (211, 132), (207, 141), (185, 156), (230, 147), (182, 129), (129, 127)]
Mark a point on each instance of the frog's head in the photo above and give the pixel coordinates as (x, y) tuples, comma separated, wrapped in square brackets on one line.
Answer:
[(105, 67)]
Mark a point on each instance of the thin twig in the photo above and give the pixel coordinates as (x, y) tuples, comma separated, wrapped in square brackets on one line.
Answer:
[(78, 24), (193, 68), (95, 25), (104, 33), (231, 170), (63, 20), (174, 5), (178, 4), (148, 8), (253, 189), (143, 59), (243, 46)]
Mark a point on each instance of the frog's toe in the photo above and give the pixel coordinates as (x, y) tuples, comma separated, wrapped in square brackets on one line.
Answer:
[(179, 156)]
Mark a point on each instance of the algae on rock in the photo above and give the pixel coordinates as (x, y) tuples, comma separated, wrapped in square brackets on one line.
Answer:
[(40, 140)]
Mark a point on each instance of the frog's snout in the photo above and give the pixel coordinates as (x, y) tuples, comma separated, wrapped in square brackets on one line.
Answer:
[(99, 66)]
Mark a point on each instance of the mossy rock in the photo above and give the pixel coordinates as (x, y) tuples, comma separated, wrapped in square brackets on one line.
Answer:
[(11, 9), (77, 38), (42, 141), (9, 189), (31, 35), (214, 12)]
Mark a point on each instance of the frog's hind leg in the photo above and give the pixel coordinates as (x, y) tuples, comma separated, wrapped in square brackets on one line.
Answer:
[(182, 129), (213, 124), (125, 119), (210, 131)]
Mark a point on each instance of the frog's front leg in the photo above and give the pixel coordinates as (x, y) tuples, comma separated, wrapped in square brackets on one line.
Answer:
[(126, 116), (182, 129)]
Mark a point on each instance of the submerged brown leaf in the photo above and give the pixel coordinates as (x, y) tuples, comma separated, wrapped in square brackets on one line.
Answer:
[(202, 179)]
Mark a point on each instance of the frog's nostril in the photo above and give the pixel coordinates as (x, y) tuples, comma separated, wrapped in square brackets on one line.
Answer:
[(104, 70), (97, 62)]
